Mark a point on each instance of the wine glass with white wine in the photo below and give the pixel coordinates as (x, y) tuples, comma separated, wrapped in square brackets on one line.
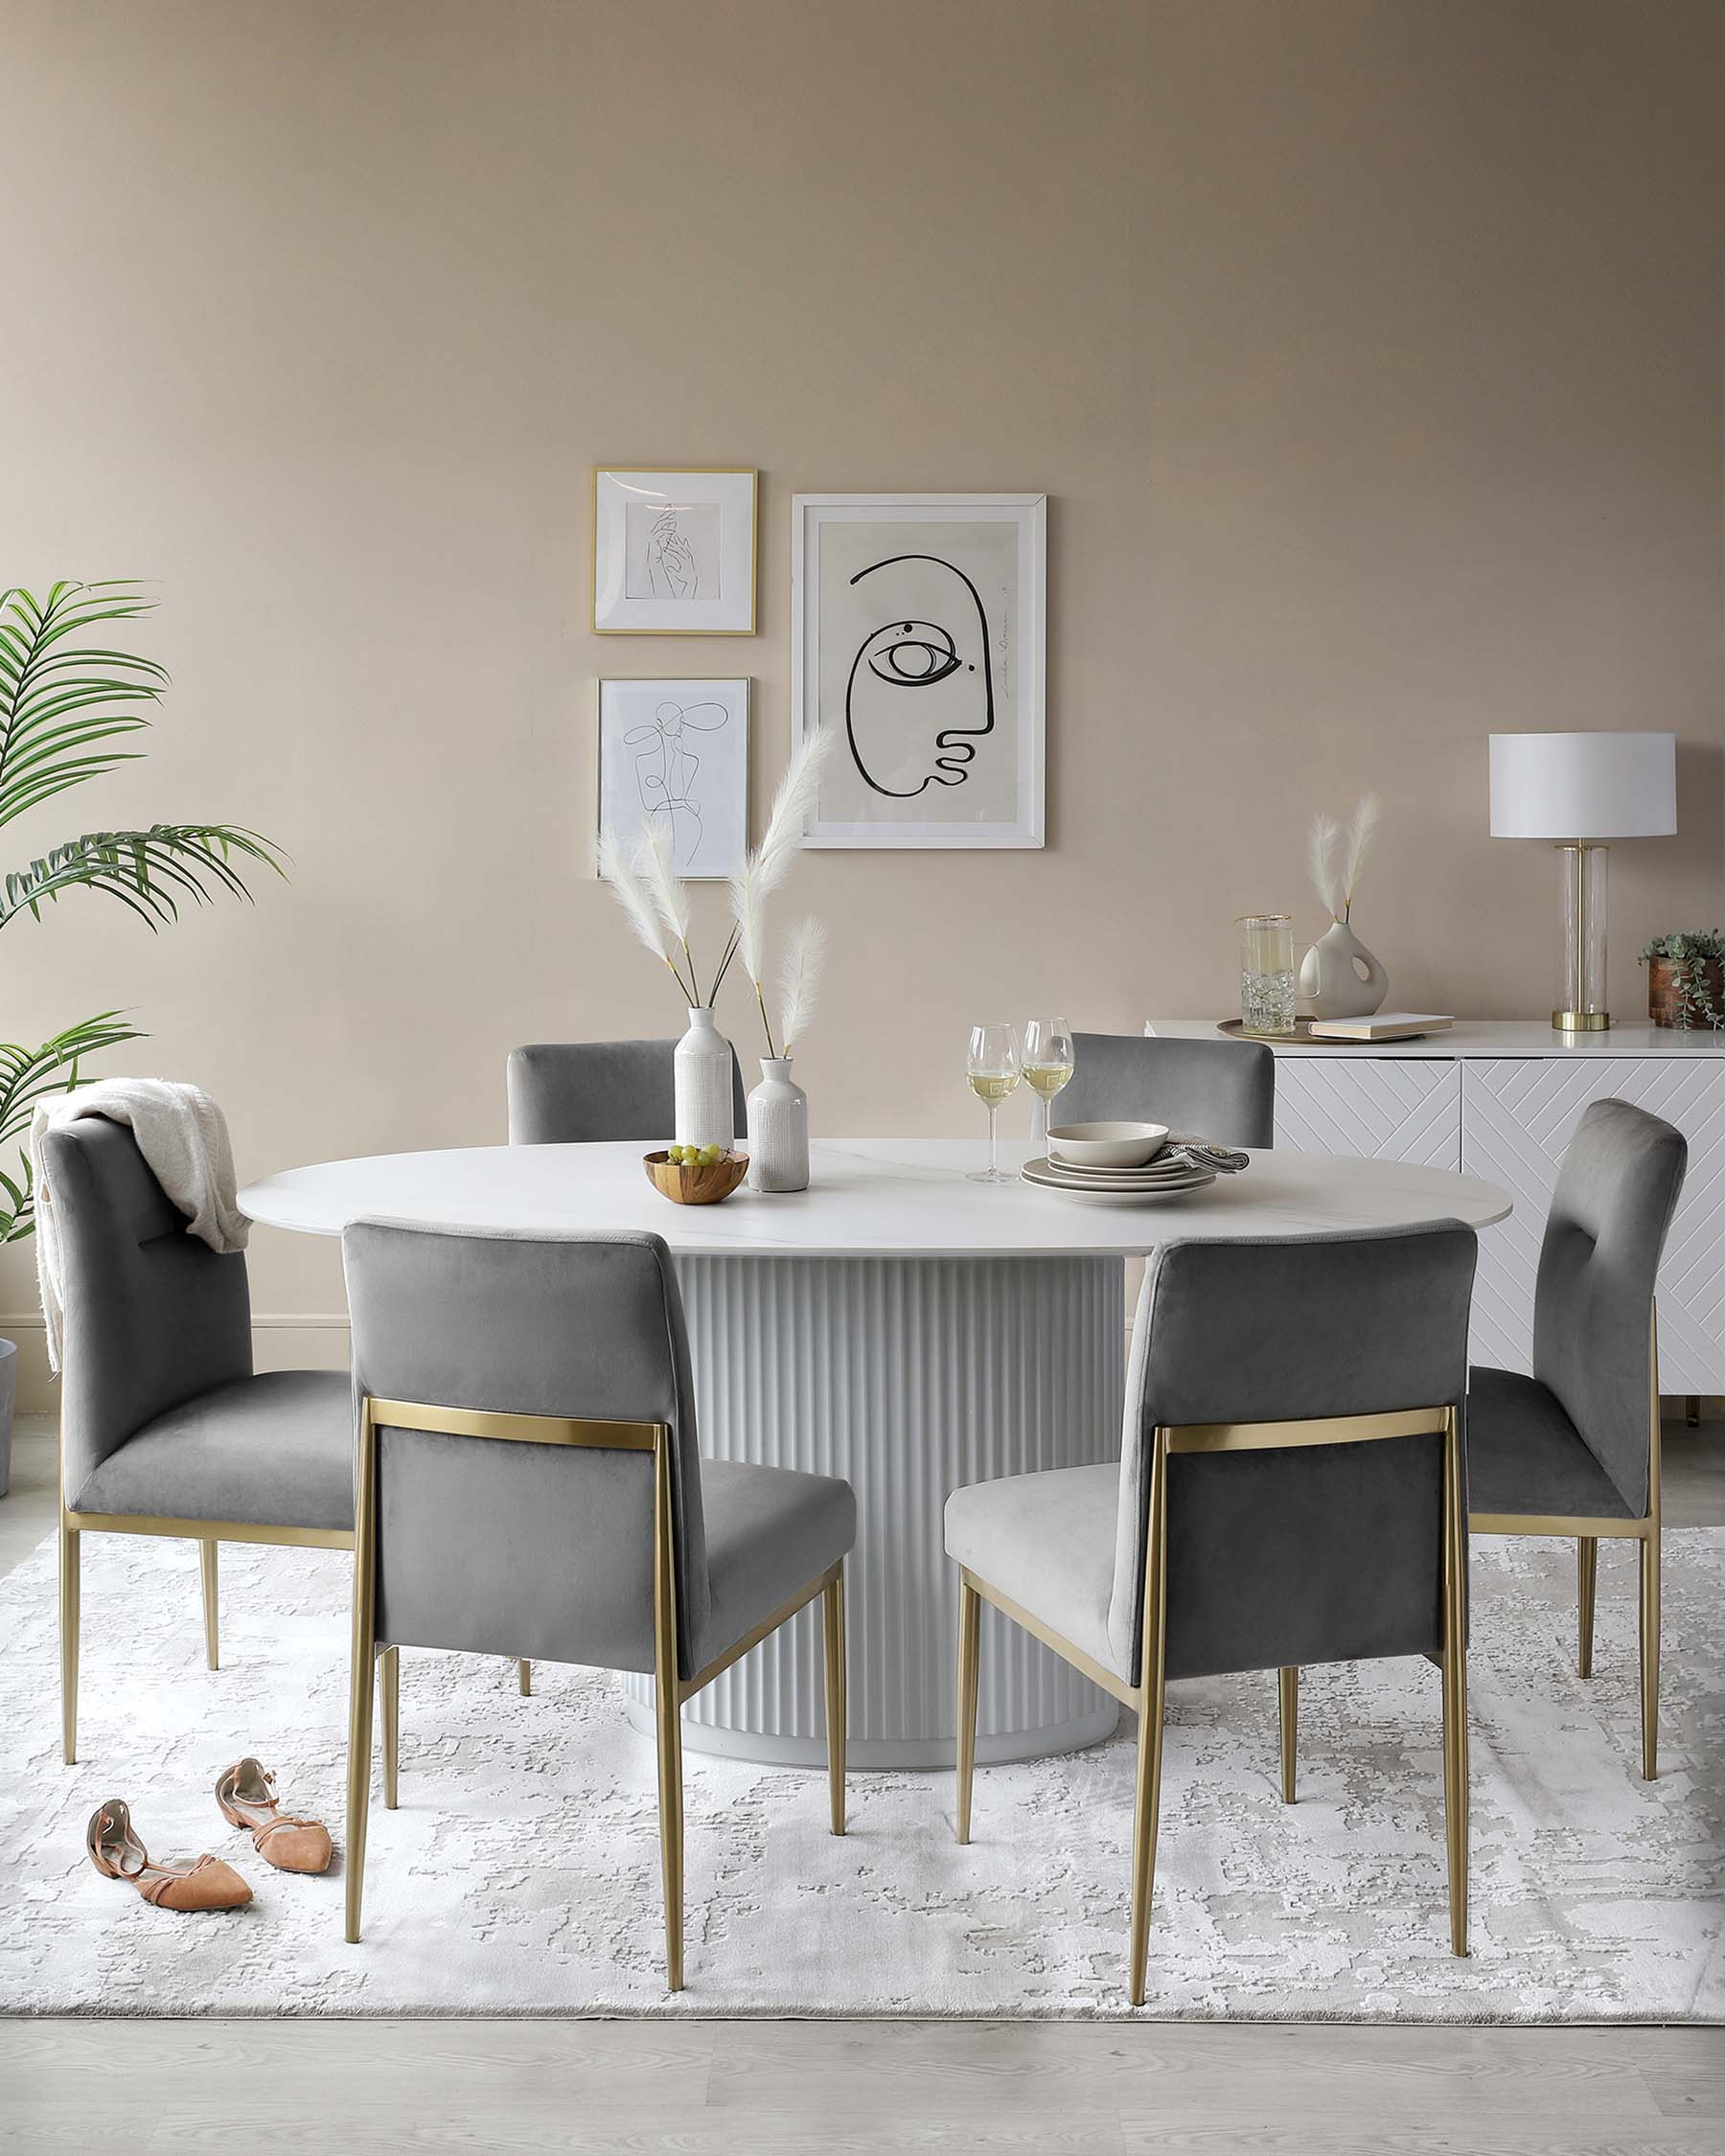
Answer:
[(994, 1072), (1049, 1062)]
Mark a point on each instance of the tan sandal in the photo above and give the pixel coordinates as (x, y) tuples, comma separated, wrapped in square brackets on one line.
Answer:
[(247, 1794), (116, 1854)]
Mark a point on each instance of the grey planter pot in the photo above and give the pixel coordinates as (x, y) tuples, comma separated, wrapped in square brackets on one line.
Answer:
[(9, 1393)]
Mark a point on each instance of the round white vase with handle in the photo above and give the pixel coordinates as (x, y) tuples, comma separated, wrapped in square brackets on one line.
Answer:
[(1340, 979), (702, 1078), (778, 1129)]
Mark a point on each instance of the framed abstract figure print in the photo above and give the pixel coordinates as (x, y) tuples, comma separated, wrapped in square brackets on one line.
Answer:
[(674, 551), (675, 754), (917, 636)]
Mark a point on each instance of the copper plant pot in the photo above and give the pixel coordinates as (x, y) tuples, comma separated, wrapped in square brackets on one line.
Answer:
[(1665, 1003)]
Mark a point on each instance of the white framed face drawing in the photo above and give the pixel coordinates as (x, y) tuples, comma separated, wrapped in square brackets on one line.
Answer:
[(674, 552), (676, 754), (917, 636)]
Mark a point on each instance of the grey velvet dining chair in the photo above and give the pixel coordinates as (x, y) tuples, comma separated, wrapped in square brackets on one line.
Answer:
[(1290, 1490), (530, 1483), (165, 1428), (588, 1092), (1220, 1089), (597, 1092), (1572, 1450)]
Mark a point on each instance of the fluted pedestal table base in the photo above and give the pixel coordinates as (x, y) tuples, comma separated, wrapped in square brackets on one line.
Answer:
[(910, 1376)]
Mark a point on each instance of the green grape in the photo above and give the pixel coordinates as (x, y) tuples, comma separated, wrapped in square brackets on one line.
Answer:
[(710, 1155)]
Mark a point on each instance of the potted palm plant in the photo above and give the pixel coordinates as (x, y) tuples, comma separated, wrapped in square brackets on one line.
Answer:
[(63, 702)]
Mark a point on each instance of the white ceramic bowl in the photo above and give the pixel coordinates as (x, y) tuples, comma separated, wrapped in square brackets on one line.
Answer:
[(1106, 1145)]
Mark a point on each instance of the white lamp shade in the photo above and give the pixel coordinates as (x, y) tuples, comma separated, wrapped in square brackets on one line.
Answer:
[(1583, 786)]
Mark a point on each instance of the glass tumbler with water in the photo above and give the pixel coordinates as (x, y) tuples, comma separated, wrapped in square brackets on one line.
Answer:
[(1266, 972)]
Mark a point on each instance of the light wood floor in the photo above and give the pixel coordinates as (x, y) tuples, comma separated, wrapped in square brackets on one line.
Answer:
[(250, 2088)]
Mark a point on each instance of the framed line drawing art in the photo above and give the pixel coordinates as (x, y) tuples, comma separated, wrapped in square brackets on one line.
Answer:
[(674, 551), (918, 626), (677, 752)]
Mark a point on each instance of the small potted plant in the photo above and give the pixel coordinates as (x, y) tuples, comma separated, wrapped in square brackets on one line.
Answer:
[(1686, 978)]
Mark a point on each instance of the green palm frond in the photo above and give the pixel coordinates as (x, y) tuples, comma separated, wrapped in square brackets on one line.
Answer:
[(151, 871), (28, 1075), (51, 730)]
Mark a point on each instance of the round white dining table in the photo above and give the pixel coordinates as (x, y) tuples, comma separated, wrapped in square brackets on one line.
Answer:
[(903, 1326)]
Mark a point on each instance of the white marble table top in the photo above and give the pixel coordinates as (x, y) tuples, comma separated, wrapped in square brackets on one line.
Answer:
[(885, 1197)]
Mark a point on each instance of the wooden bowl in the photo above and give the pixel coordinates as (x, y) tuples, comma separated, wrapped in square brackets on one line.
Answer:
[(695, 1186)]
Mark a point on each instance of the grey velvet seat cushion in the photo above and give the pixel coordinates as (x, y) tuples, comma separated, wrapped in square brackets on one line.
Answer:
[(275, 1451), (1525, 1455), (769, 1532), (1046, 1541)]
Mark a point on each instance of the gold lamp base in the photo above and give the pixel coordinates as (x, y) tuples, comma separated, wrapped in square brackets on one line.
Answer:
[(1580, 1021)]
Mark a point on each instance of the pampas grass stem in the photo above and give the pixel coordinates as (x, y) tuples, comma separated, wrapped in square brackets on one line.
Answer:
[(800, 981), (1359, 845)]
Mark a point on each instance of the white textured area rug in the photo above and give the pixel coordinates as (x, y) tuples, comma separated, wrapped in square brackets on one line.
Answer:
[(520, 1874)]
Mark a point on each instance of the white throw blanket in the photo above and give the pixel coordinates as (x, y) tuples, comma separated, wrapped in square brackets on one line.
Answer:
[(183, 1136)]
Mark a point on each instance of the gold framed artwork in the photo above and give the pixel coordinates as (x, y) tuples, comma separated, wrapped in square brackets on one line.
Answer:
[(673, 550)]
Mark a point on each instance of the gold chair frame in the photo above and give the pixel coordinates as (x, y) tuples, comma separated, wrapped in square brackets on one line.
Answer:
[(208, 1534), (1148, 1698), (1588, 1533), (670, 1692)]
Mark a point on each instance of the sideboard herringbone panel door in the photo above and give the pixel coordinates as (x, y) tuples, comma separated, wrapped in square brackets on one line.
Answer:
[(1518, 1115), (1380, 1108)]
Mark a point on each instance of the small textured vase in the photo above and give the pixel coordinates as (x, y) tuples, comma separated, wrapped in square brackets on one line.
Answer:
[(778, 1130), (701, 1072), (1338, 977)]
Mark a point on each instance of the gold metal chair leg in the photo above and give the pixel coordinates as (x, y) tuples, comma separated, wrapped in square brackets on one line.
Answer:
[(391, 1674), (362, 1671), (1152, 1700), (669, 1713), (359, 1750), (70, 1551), (1145, 1816), (1649, 1656), (525, 1674), (837, 1713), (1455, 1683), (206, 1551), (970, 1613), (1287, 1685), (1587, 1573), (667, 1701)]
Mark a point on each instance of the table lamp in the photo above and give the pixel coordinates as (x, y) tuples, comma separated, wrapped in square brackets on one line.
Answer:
[(1576, 789)]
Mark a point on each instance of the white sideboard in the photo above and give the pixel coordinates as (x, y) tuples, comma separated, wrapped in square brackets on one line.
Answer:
[(1501, 1098)]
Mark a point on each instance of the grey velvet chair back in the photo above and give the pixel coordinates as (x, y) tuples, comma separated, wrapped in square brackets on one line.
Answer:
[(153, 1317), (576, 1092), (1604, 1236), (1220, 1089), (493, 1547), (1315, 1553)]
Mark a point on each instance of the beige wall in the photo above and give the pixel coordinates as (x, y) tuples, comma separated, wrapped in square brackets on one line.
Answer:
[(1369, 354)]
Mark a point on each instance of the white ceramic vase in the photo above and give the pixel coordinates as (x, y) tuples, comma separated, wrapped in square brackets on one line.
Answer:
[(701, 1074), (778, 1129), (1340, 979)]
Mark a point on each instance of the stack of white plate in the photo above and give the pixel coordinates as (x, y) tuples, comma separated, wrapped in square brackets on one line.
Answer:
[(1168, 1175)]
